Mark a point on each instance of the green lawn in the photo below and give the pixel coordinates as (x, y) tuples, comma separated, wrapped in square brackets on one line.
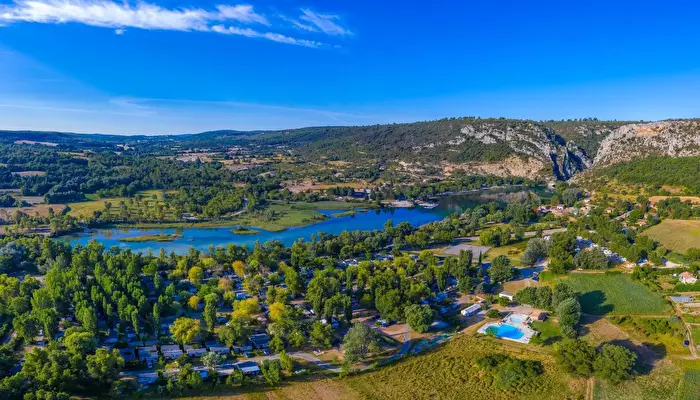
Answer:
[(676, 234), (548, 332), (615, 294), (512, 251)]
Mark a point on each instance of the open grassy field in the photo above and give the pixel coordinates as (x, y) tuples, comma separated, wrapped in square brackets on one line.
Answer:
[(310, 185), (695, 331), (676, 234), (512, 251), (690, 386), (30, 173), (330, 205), (615, 294), (662, 383), (664, 335), (145, 205), (655, 199), (37, 210), (449, 372), (549, 332)]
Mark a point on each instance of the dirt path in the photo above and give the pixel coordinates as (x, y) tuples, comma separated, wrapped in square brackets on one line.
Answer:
[(688, 330), (590, 388)]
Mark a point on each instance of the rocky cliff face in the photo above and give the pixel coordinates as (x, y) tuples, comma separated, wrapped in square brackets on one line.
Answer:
[(531, 142), (669, 138)]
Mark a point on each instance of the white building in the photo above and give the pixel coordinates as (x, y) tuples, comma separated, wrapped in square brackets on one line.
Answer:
[(507, 296), (687, 278), (471, 310)]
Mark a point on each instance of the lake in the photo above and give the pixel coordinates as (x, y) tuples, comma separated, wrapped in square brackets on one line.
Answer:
[(202, 238)]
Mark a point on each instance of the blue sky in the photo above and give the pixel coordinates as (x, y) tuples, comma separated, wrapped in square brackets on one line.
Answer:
[(182, 66)]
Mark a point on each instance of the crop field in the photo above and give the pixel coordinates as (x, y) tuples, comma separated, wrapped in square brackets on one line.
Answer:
[(676, 234), (615, 294), (449, 372)]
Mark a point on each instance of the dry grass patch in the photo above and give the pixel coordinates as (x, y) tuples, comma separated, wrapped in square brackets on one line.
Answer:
[(37, 210), (662, 383), (30, 173), (450, 372), (600, 330), (676, 234), (305, 185)]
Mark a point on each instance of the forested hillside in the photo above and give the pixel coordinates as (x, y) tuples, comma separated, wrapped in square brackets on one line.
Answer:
[(654, 172), (501, 147)]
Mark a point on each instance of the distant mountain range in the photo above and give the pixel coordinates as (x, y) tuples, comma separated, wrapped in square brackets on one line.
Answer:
[(551, 149)]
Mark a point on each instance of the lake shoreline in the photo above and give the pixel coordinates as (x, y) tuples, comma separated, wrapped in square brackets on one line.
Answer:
[(285, 222)]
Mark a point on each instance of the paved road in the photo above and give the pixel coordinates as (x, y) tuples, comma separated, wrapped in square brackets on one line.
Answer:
[(403, 350)]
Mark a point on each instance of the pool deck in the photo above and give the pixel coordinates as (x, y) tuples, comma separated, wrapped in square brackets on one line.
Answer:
[(519, 321)]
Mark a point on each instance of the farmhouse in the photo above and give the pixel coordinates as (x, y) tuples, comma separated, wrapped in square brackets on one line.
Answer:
[(687, 278)]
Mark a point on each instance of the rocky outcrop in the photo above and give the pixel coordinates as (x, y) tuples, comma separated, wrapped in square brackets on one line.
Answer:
[(531, 168), (663, 138), (536, 144)]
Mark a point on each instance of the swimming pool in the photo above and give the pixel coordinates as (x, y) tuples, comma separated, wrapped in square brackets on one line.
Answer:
[(506, 331)]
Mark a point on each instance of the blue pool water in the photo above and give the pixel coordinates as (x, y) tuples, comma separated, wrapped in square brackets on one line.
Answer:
[(507, 331)]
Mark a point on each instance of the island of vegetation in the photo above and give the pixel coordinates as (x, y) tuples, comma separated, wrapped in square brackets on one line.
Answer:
[(242, 230), (159, 237)]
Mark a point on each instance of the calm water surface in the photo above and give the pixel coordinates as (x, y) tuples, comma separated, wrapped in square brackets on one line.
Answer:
[(202, 238)]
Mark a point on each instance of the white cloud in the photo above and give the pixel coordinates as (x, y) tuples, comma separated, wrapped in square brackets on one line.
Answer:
[(242, 13), (324, 22), (108, 14), (142, 15), (275, 37)]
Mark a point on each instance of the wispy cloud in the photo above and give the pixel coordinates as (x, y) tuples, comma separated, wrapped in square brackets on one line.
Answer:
[(242, 13), (224, 19), (275, 37), (323, 22)]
